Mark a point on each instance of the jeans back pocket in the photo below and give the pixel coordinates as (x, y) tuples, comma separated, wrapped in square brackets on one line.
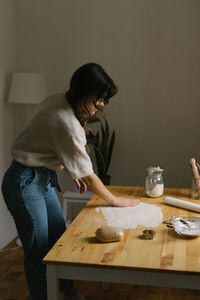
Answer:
[(27, 178)]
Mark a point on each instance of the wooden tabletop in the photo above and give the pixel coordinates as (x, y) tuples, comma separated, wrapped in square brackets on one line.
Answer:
[(167, 251)]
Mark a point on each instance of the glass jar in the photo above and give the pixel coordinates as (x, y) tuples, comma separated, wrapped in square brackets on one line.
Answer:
[(194, 189), (154, 182)]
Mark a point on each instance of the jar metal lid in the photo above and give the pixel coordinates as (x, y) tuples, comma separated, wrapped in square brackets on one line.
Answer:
[(155, 169)]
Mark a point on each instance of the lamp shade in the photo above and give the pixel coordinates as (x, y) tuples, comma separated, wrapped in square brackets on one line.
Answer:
[(27, 88)]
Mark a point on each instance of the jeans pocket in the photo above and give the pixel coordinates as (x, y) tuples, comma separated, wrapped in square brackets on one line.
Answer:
[(28, 178)]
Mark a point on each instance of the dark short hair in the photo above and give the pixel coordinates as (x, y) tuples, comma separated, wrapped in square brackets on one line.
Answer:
[(89, 81)]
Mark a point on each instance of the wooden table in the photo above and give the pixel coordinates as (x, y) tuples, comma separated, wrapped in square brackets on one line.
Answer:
[(168, 260)]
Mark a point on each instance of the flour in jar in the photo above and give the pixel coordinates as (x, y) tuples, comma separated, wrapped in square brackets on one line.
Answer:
[(156, 191)]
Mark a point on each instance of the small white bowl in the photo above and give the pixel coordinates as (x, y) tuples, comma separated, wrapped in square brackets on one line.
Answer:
[(186, 226)]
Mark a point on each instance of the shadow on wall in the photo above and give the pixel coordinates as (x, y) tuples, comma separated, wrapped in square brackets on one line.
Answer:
[(7, 128)]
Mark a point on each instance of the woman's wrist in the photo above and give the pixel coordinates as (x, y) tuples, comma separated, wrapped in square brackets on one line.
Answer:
[(114, 201)]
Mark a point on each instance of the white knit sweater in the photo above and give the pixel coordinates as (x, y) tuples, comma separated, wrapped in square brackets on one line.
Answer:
[(54, 139)]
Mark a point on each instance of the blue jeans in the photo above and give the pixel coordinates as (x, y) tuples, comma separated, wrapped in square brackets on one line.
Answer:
[(30, 197)]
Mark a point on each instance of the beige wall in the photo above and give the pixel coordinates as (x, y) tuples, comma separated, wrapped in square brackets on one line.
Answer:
[(152, 50), (7, 62)]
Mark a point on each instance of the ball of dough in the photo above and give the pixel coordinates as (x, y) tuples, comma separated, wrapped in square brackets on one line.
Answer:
[(109, 234)]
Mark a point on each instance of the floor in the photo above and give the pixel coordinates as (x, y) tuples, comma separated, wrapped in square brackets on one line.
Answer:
[(13, 284)]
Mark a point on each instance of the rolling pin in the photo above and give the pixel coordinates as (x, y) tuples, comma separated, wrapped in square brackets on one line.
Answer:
[(182, 203)]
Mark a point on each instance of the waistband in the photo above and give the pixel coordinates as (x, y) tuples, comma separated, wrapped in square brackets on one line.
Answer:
[(51, 173)]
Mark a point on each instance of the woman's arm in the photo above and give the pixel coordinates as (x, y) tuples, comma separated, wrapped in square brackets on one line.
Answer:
[(95, 185)]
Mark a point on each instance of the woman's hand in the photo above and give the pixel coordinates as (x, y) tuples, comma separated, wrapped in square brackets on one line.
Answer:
[(97, 187), (124, 202), (81, 185)]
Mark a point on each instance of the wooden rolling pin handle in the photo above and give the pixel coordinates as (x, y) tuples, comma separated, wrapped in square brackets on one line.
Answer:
[(196, 175), (195, 170)]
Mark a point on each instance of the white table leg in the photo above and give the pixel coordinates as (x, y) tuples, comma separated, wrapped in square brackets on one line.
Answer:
[(64, 208), (52, 283)]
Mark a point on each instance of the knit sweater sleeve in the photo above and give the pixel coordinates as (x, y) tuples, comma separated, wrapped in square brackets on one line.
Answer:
[(68, 140)]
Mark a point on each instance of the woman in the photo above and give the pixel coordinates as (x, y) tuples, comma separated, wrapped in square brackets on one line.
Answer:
[(54, 139)]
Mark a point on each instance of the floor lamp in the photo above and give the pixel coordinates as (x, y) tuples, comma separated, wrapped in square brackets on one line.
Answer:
[(26, 88)]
